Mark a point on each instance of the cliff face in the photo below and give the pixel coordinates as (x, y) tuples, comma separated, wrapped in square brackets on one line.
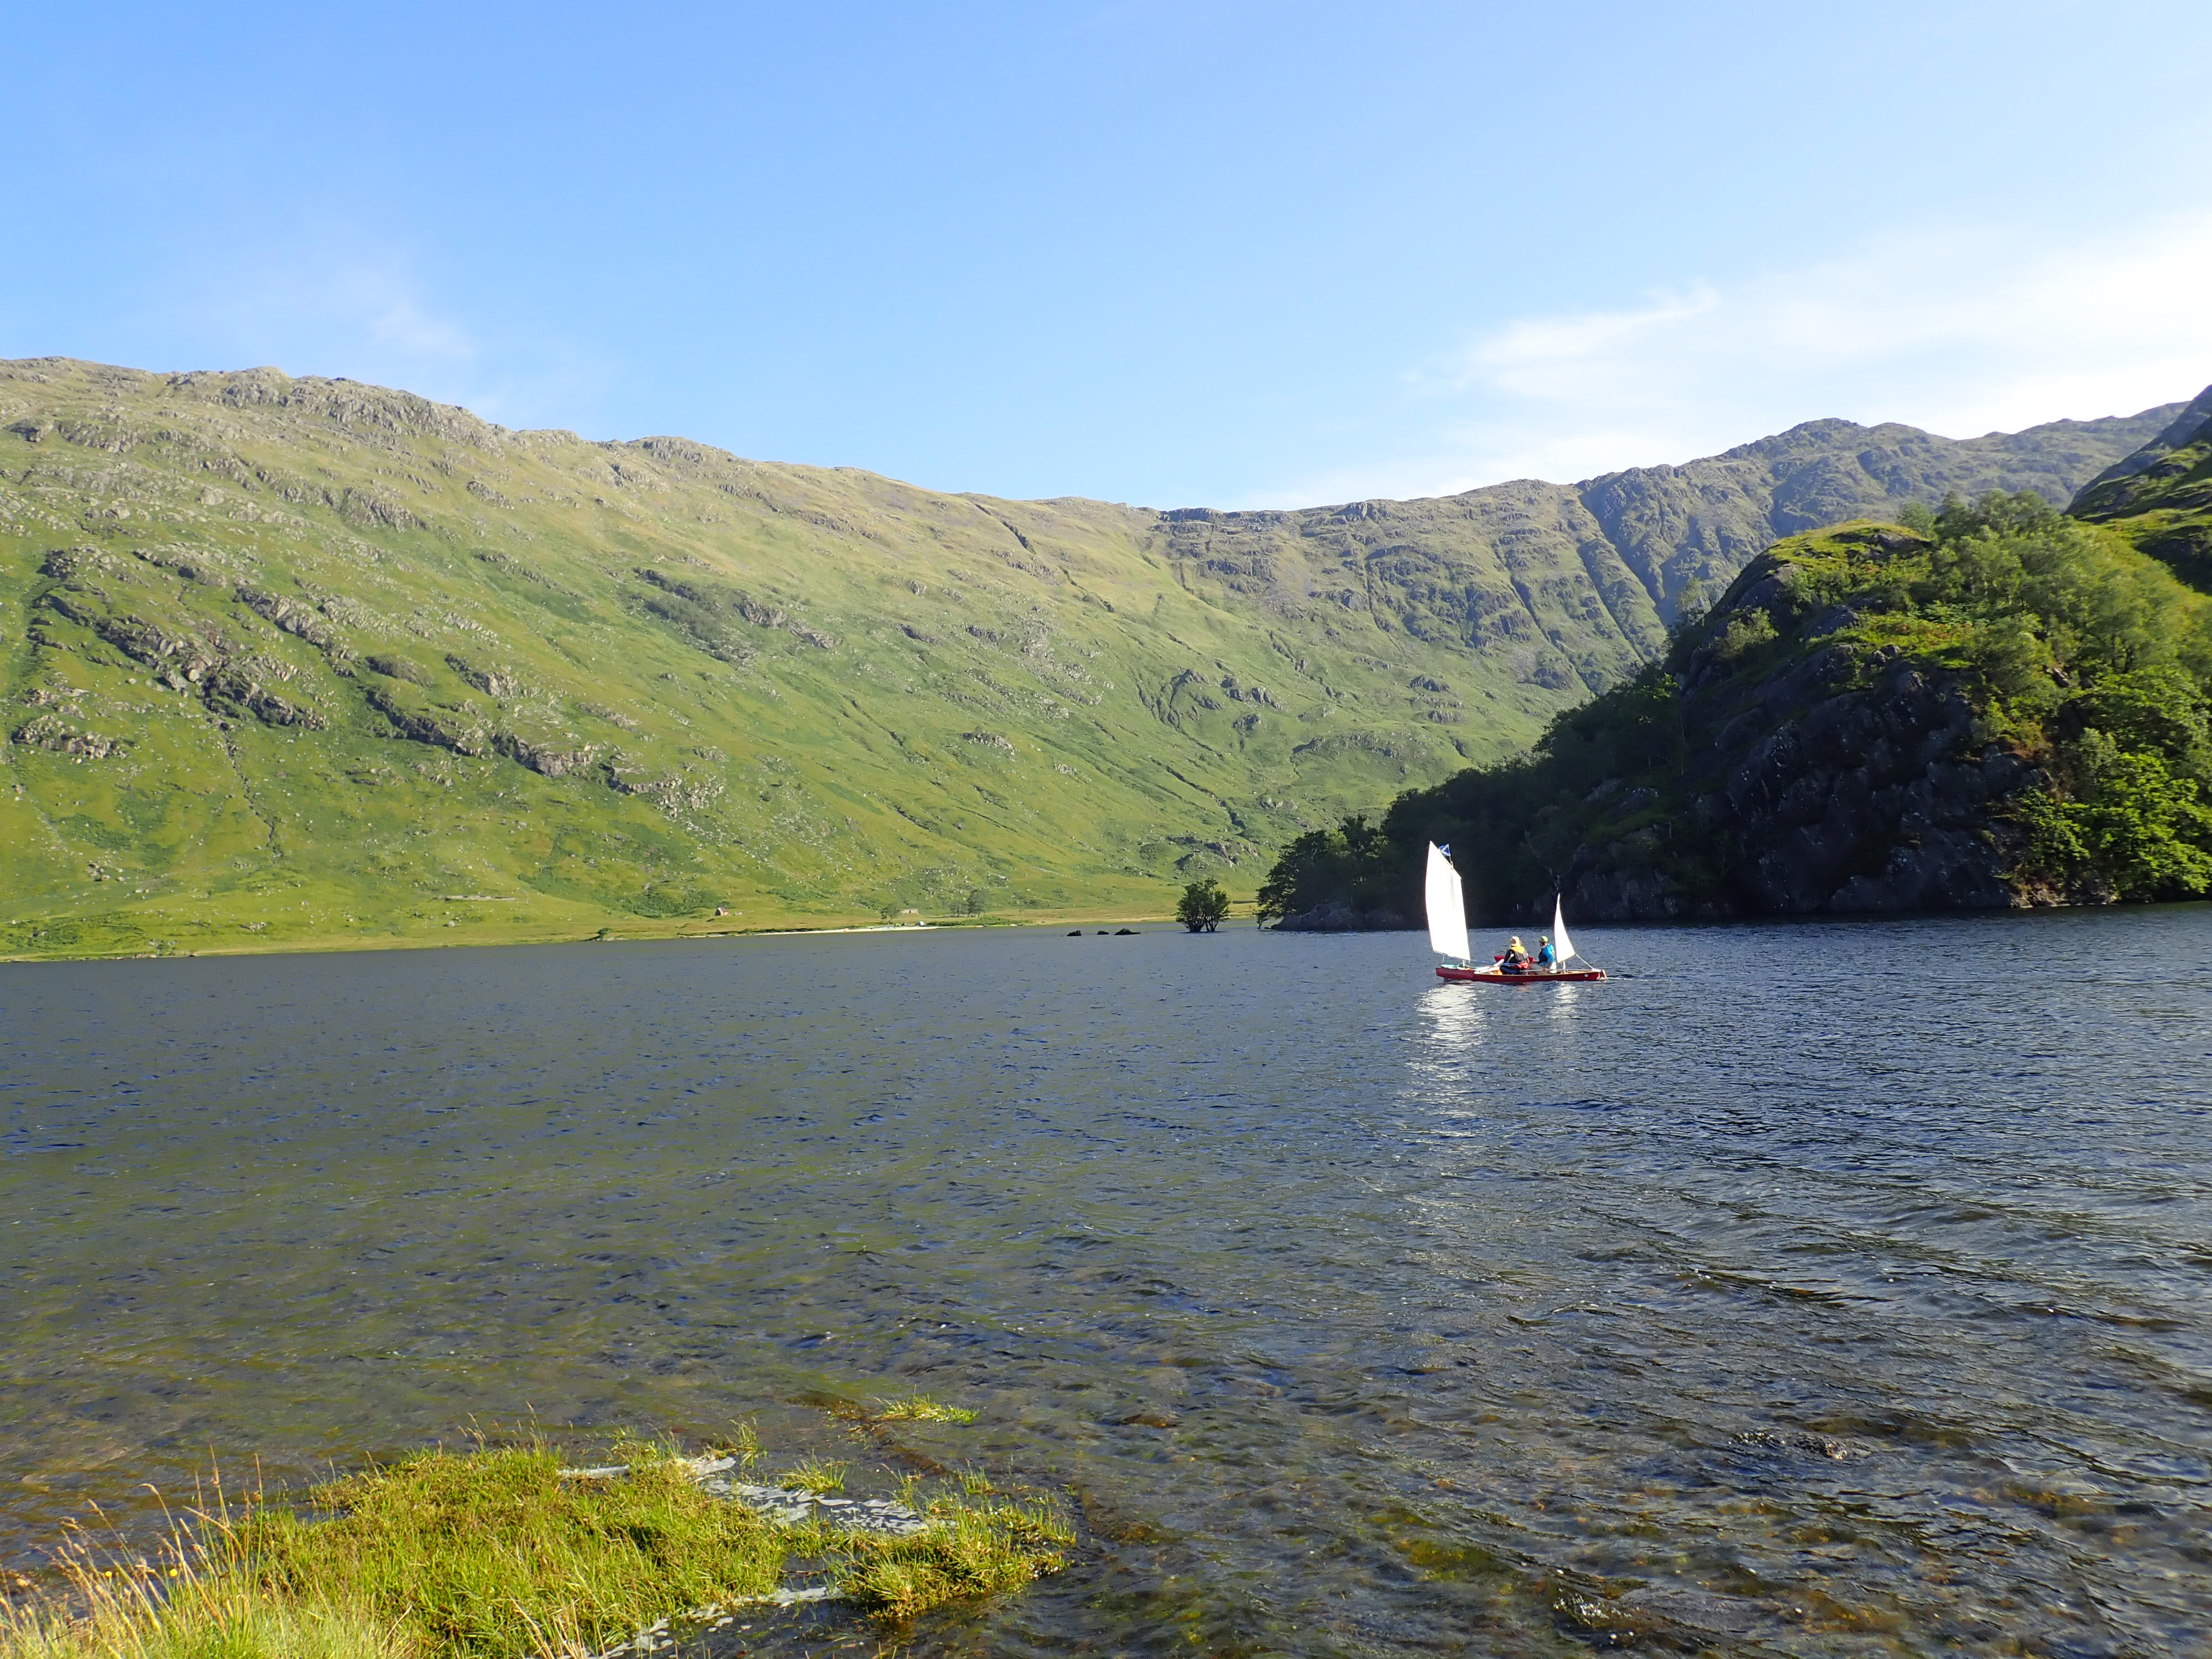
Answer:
[(1874, 798), (1845, 779)]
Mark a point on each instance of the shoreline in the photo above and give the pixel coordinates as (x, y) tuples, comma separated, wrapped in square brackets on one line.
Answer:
[(647, 933)]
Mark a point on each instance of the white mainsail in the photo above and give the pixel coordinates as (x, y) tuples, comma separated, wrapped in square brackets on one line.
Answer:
[(1447, 908), (1562, 946)]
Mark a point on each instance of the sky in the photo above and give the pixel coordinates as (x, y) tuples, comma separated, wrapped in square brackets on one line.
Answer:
[(1174, 254)]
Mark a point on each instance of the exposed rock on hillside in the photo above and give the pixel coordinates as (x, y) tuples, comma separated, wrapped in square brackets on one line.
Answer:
[(1575, 585), (1845, 781)]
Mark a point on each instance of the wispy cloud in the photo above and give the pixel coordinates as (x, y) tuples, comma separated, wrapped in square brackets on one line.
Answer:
[(334, 293), (332, 299), (1962, 332)]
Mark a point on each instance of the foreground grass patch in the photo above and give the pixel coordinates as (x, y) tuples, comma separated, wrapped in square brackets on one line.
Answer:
[(920, 1408), (972, 1550), (232, 1618), (814, 1475), (493, 1553)]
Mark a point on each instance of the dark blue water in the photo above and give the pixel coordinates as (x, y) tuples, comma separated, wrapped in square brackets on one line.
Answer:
[(1817, 1289)]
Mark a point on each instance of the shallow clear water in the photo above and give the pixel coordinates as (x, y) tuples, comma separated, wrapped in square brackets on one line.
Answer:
[(1809, 1289)]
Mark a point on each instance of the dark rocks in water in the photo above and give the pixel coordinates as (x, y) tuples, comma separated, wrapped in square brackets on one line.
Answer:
[(1121, 932), (1075, 932), (1819, 1445), (1102, 933)]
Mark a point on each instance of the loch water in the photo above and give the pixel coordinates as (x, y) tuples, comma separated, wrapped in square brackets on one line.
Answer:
[(1838, 1288)]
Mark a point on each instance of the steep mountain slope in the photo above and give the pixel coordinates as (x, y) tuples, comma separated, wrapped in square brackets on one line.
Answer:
[(2160, 497), (1574, 584), (1989, 706), (302, 660)]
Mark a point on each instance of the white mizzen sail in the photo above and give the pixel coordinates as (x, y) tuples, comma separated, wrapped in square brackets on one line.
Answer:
[(1562, 946), (1447, 908)]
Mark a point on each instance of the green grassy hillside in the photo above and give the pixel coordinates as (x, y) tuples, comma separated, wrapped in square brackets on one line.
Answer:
[(2160, 497), (292, 662)]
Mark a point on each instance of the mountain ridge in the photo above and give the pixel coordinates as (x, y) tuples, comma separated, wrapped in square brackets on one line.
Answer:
[(293, 661)]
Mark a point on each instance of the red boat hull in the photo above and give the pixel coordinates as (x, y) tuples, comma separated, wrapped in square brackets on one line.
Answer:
[(1499, 976)]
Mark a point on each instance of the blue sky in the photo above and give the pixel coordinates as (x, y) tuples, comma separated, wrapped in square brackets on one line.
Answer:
[(1233, 254)]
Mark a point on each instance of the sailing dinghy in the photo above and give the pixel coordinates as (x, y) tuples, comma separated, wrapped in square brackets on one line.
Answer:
[(1447, 906)]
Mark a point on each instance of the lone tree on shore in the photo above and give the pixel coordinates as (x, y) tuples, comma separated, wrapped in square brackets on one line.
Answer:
[(1203, 906)]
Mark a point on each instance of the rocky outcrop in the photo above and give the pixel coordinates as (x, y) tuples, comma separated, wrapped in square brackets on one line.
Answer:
[(1875, 799), (420, 726), (544, 759), (45, 732)]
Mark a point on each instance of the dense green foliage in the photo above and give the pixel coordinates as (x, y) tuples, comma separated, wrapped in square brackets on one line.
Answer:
[(1203, 906), (2081, 657), (292, 662), (1355, 865)]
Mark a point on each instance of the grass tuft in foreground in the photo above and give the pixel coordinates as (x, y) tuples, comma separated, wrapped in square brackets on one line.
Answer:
[(974, 1550), (920, 1408), (492, 1554), (190, 1602), (813, 1475)]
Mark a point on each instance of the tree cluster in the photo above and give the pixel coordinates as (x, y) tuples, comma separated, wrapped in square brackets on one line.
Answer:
[(1204, 906)]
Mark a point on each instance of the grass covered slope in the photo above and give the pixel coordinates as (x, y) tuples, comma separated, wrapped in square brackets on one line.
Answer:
[(2160, 497), (292, 662), (1574, 584), (1992, 705), (297, 661)]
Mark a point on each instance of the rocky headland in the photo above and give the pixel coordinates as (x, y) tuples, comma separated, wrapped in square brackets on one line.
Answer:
[(1989, 706)]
